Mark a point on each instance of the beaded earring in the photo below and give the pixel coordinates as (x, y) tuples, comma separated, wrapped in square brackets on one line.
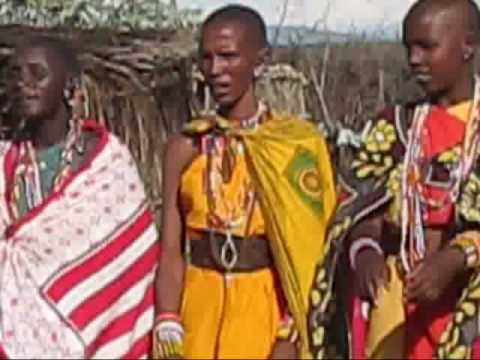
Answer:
[(73, 96)]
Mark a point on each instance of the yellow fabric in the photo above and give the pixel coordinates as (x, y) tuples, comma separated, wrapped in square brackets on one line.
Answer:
[(292, 173), (194, 197), (235, 318), (461, 110), (386, 335), (289, 164)]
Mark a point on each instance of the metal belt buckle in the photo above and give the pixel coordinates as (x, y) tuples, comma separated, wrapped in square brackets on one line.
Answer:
[(229, 252)]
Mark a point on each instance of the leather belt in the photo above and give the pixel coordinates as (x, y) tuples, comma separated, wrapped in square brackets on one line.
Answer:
[(224, 253)]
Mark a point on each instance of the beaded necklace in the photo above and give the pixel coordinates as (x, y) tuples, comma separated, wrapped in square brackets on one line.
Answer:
[(414, 203), (222, 151), (28, 171)]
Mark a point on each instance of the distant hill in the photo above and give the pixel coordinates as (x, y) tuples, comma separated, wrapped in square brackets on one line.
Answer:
[(305, 36), (302, 35)]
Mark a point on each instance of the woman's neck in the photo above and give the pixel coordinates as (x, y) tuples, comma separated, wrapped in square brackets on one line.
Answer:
[(49, 131), (463, 91), (243, 110)]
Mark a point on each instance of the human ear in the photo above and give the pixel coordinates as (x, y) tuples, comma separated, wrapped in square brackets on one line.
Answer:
[(469, 44), (263, 58), (73, 93)]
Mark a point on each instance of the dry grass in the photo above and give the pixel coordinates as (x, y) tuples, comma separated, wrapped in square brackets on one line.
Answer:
[(360, 79)]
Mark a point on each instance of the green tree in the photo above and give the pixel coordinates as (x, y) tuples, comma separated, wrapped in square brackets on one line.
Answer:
[(117, 14)]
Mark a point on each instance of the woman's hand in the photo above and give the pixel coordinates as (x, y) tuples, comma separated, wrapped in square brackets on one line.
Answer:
[(371, 273), (430, 279)]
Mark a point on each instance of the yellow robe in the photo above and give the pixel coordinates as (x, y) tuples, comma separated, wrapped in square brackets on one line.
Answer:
[(290, 168)]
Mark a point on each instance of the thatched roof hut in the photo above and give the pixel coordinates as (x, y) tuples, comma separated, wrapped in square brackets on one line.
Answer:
[(136, 83)]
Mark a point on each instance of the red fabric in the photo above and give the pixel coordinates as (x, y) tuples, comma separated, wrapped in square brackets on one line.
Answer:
[(64, 286), (425, 325), (140, 349), (435, 216), (476, 349), (8, 170), (3, 356), (91, 265), (359, 327), (442, 131), (122, 324), (93, 307)]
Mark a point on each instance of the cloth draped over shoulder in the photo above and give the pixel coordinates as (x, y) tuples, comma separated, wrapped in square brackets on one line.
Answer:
[(76, 272), (373, 180), (290, 167)]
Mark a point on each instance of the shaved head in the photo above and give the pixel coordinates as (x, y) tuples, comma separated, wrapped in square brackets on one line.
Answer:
[(464, 13), (441, 37), (249, 18)]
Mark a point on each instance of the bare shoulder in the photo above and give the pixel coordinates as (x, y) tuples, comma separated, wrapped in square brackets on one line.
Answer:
[(179, 152)]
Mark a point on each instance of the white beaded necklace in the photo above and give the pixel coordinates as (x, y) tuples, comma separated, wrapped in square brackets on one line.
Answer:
[(412, 199)]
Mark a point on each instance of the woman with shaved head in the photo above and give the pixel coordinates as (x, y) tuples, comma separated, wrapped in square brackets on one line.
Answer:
[(247, 195), (412, 222)]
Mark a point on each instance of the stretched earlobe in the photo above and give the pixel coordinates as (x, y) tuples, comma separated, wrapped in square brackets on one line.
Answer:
[(262, 61), (72, 86), (258, 71), (467, 54), (67, 94)]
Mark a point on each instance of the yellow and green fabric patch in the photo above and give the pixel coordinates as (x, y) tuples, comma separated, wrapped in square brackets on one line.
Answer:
[(302, 173)]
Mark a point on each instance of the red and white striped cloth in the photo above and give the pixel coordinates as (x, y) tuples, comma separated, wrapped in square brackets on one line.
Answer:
[(76, 274)]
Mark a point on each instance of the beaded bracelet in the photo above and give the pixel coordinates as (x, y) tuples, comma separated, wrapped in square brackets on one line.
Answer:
[(168, 315), (168, 337), (287, 330), (469, 243), (361, 244)]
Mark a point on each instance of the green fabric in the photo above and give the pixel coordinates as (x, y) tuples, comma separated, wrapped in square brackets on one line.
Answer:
[(52, 158), (301, 173), (50, 161)]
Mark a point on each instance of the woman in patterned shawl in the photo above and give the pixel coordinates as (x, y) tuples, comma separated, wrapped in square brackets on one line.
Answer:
[(77, 244), (410, 221)]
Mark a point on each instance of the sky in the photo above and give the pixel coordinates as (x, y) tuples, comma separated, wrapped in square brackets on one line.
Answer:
[(336, 15)]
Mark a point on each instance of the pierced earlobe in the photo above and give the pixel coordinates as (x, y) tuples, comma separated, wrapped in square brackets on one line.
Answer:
[(71, 87), (67, 94), (467, 54), (258, 71)]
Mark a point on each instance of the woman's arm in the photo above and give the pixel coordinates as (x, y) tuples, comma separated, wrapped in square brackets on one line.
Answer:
[(168, 332), (366, 257), (430, 279), (169, 281)]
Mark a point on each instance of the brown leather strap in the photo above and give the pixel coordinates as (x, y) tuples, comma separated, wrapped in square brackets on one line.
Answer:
[(253, 253)]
